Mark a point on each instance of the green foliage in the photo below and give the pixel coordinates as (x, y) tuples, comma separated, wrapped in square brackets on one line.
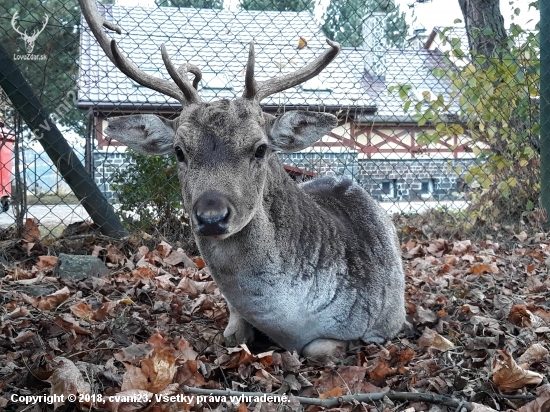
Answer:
[(198, 4), (54, 78), (277, 5), (155, 179), (343, 21), (494, 104)]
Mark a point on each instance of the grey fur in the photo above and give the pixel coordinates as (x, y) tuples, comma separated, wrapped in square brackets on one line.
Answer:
[(312, 265)]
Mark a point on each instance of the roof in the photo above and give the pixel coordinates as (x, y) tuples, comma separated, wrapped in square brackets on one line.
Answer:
[(217, 41), (409, 66)]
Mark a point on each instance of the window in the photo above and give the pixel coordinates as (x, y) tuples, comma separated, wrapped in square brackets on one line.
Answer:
[(387, 187), (215, 81), (426, 189)]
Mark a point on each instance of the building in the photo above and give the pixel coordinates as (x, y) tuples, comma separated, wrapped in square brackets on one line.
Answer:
[(7, 138), (375, 141)]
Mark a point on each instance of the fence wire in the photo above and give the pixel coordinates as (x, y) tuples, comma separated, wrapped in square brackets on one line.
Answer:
[(439, 124)]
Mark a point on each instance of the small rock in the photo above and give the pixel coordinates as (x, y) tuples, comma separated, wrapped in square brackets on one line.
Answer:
[(37, 291), (79, 267)]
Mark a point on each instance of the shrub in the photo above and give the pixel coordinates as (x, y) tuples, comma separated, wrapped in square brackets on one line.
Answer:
[(494, 102), (149, 195)]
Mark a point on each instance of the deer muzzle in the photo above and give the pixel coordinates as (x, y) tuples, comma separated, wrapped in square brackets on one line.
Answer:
[(211, 213)]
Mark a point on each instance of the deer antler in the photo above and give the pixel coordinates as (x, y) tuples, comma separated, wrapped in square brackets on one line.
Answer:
[(185, 93), (13, 22), (35, 33), (261, 90)]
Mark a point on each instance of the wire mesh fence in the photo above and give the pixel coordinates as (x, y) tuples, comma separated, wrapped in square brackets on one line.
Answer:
[(439, 124)]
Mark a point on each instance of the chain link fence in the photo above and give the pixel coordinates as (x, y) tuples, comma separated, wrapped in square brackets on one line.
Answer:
[(439, 124)]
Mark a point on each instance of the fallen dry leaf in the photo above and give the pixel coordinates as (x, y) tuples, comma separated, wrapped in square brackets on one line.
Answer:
[(31, 232), (66, 321), (46, 262), (431, 339), (508, 376), (188, 374), (521, 316), (81, 310), (66, 380), (484, 268), (536, 353), (541, 404), (49, 302), (18, 312), (477, 407), (333, 393), (134, 379), (160, 370)]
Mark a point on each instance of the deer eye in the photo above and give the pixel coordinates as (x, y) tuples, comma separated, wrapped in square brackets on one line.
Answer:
[(260, 151), (179, 154)]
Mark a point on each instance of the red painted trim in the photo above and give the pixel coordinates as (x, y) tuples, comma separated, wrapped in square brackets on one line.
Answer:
[(299, 171)]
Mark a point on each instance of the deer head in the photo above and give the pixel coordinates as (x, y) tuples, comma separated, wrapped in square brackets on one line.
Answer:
[(28, 39), (224, 147)]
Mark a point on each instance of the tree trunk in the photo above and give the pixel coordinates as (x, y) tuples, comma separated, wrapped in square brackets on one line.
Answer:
[(31, 110), (478, 16)]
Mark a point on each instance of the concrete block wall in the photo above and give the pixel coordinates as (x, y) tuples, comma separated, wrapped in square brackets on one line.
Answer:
[(105, 164), (407, 179)]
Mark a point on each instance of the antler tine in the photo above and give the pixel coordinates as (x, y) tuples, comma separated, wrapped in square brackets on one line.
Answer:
[(272, 86), (182, 80), (13, 20), (45, 23), (249, 82), (95, 22), (191, 68)]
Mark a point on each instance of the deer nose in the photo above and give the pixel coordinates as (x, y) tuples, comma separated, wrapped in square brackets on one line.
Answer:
[(212, 214)]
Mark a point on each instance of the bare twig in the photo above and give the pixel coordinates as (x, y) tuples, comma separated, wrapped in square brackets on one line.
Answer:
[(330, 402), (520, 397)]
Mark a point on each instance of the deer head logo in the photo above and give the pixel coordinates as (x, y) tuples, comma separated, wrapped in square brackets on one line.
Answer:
[(29, 39)]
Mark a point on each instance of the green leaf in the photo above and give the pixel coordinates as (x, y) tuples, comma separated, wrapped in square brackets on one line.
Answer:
[(457, 21), (422, 139), (504, 189), (407, 106), (480, 60), (438, 73), (487, 31)]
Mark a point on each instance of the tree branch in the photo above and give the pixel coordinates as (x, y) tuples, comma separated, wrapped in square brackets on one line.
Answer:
[(330, 402)]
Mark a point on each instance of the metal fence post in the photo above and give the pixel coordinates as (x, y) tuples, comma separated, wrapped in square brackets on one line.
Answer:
[(545, 104)]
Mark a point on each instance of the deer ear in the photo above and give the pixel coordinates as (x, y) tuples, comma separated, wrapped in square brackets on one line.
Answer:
[(294, 131), (145, 133)]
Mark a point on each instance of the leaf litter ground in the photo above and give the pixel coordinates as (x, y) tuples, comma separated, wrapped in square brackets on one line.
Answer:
[(149, 336)]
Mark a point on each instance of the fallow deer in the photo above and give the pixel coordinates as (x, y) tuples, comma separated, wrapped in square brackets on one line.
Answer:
[(314, 265)]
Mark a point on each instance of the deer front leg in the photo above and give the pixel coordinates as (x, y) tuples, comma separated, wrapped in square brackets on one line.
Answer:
[(238, 330)]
